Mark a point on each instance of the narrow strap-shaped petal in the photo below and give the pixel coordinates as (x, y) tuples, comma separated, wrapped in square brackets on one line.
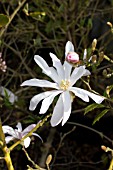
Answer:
[(84, 95), (39, 83), (67, 106), (49, 71), (57, 64), (47, 101), (37, 98), (67, 70), (77, 74), (41, 62), (87, 72), (35, 134), (69, 48), (79, 93), (9, 130), (28, 129), (85, 55), (97, 98), (27, 142), (19, 126), (8, 139), (57, 115)]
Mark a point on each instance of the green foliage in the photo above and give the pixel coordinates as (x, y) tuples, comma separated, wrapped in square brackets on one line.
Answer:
[(4, 19), (100, 115), (93, 106)]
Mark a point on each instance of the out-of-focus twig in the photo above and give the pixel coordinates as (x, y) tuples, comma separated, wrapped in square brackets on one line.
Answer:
[(11, 17)]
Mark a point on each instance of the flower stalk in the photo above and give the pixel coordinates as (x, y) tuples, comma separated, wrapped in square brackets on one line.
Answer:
[(5, 150), (7, 158)]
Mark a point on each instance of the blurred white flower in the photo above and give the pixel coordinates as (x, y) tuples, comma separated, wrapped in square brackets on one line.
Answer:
[(18, 133), (11, 96), (71, 56), (64, 78)]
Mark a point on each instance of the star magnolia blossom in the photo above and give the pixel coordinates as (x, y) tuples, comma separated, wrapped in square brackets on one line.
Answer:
[(19, 134), (71, 56), (64, 79)]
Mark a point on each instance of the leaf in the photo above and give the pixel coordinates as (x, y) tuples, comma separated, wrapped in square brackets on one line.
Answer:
[(4, 19), (92, 107), (100, 115)]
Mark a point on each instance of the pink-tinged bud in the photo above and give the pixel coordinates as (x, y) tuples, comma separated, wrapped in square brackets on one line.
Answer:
[(72, 57)]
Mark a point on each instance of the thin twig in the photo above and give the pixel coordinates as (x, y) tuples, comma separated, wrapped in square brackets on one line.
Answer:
[(35, 165), (89, 128), (12, 16)]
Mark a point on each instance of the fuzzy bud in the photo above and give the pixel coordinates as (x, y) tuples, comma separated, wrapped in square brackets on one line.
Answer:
[(110, 24), (94, 43), (104, 148), (94, 59), (101, 56), (48, 160), (72, 58), (3, 65)]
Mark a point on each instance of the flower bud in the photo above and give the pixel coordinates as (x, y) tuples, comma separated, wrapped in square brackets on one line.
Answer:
[(72, 58), (94, 59), (94, 43), (3, 65), (110, 24), (48, 160), (103, 148)]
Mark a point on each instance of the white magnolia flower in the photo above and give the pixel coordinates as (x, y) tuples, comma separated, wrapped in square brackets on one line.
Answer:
[(18, 133), (64, 79), (70, 55), (11, 96)]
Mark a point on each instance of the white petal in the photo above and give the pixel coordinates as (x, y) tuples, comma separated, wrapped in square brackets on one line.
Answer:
[(19, 126), (35, 134), (69, 48), (9, 138), (28, 129), (87, 73), (47, 102), (67, 70), (49, 71), (57, 64), (41, 62), (27, 142), (67, 106), (85, 54), (77, 73), (79, 93), (57, 112), (84, 95), (37, 98), (97, 98), (9, 130), (39, 83)]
